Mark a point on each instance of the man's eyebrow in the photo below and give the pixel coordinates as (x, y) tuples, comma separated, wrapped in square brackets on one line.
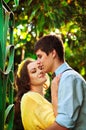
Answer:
[(38, 54)]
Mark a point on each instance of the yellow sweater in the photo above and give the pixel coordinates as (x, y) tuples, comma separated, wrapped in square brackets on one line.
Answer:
[(36, 112)]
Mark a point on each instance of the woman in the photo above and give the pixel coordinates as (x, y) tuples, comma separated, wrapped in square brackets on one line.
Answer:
[(36, 112)]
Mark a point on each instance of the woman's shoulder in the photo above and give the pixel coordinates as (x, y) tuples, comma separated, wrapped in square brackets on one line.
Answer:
[(32, 96), (35, 97)]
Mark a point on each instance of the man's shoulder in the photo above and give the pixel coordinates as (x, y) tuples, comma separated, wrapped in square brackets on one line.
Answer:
[(73, 75)]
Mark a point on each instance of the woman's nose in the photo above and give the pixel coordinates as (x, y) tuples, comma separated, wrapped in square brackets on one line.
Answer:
[(38, 61), (41, 72)]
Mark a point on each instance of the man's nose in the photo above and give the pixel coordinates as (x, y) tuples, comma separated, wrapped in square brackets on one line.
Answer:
[(40, 65)]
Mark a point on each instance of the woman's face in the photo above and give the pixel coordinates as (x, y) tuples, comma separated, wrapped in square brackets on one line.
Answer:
[(36, 74)]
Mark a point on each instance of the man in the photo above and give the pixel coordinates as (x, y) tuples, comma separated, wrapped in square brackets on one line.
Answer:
[(72, 87)]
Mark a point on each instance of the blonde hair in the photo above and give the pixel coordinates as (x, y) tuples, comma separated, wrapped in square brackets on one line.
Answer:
[(21, 65)]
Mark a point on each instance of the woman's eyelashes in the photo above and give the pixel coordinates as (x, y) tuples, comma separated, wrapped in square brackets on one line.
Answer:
[(33, 70)]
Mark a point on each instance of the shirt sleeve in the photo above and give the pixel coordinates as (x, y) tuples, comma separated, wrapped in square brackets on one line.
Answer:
[(70, 99)]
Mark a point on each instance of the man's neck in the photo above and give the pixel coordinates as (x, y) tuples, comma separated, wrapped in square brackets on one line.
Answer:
[(56, 65)]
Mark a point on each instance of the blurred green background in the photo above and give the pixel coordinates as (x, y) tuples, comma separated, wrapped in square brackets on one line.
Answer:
[(35, 18)]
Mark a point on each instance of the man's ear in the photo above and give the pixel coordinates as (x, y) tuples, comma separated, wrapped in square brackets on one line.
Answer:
[(54, 53)]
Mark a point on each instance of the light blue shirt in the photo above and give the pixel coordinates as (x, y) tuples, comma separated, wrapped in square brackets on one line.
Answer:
[(71, 99)]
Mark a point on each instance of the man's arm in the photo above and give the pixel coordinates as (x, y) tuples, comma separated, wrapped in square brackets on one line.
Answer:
[(56, 126), (54, 97)]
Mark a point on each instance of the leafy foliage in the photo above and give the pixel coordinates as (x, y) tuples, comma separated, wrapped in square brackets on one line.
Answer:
[(34, 19)]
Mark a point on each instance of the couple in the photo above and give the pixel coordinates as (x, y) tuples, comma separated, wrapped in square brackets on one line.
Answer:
[(68, 108)]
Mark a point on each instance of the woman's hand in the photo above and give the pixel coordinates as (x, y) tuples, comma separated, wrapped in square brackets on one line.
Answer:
[(55, 85), (54, 93)]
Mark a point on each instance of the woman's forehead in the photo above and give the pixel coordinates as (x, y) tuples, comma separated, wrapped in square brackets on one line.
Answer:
[(32, 64)]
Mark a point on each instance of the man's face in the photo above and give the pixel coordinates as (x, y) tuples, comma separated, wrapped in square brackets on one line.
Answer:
[(44, 60)]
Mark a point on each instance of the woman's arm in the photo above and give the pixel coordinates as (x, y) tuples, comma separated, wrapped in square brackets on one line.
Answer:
[(56, 126), (54, 92)]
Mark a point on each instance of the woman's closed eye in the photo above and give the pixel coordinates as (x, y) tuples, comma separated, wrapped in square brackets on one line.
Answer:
[(33, 70)]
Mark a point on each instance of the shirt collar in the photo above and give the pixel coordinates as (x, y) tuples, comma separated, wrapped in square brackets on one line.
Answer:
[(62, 68)]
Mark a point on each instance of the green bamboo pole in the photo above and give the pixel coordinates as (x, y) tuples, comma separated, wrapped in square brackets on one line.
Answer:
[(1, 35), (11, 76), (2, 86), (6, 75)]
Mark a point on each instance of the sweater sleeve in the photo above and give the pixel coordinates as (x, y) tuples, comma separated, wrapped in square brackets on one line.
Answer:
[(45, 115)]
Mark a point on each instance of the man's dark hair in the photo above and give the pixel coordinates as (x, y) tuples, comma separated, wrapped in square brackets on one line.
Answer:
[(49, 43)]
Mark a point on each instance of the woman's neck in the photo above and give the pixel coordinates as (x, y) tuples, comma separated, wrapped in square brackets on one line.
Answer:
[(37, 89)]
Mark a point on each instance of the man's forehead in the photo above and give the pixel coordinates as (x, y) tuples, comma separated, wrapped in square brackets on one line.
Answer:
[(39, 52)]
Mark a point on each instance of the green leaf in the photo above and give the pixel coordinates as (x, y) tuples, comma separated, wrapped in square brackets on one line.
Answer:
[(10, 49), (33, 14), (1, 58), (41, 22), (29, 2), (7, 1), (16, 2), (7, 111), (6, 26)]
